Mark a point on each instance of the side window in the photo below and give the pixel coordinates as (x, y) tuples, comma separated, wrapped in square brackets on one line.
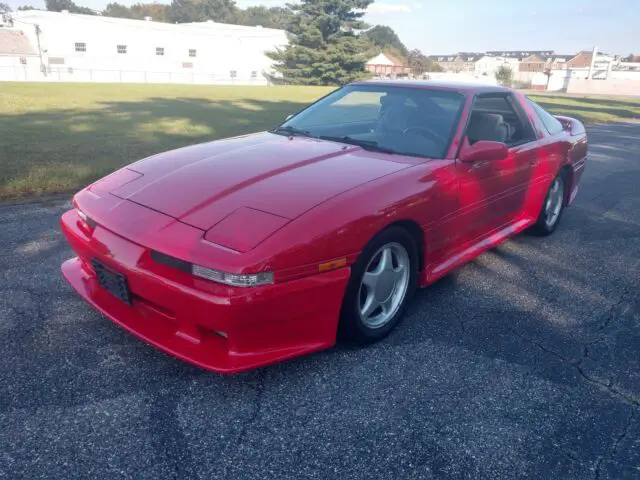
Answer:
[(494, 117), (552, 125)]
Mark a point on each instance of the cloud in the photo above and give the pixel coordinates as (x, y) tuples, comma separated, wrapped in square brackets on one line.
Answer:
[(386, 8)]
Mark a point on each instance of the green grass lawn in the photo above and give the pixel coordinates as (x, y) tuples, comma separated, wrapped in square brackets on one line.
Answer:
[(58, 137), (591, 109)]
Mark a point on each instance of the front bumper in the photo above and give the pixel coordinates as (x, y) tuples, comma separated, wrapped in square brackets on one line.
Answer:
[(219, 328)]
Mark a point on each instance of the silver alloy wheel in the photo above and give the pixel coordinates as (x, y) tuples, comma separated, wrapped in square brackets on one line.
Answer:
[(555, 199), (384, 285)]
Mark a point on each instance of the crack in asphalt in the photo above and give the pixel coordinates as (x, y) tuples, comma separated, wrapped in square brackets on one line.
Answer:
[(170, 436), (260, 387), (253, 417), (607, 385), (614, 447), (613, 311)]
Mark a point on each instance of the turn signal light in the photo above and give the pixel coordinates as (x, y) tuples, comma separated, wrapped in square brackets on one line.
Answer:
[(85, 221)]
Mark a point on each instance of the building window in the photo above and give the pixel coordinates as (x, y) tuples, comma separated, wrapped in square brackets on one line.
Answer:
[(160, 51), (233, 73), (187, 65), (192, 52), (56, 61), (122, 49), (254, 74), (81, 47)]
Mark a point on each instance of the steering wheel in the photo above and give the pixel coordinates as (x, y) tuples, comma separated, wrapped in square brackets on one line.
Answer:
[(427, 132)]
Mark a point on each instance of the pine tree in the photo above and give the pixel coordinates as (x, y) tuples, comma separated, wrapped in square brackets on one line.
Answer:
[(324, 48)]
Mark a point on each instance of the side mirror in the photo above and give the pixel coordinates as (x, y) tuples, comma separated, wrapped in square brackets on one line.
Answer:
[(483, 150)]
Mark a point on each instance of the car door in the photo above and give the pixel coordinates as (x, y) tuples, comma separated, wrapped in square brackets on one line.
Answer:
[(493, 193)]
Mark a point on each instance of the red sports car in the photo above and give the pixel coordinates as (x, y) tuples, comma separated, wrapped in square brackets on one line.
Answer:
[(247, 251)]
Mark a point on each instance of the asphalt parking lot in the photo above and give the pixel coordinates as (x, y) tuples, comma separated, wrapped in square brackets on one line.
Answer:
[(522, 364)]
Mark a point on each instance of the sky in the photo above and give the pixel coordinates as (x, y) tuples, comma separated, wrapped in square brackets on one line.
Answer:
[(450, 26)]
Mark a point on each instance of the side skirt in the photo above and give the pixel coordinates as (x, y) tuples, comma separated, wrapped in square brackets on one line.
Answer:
[(435, 272)]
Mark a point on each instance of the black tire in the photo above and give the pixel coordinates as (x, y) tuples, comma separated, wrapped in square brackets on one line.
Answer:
[(542, 227), (352, 329)]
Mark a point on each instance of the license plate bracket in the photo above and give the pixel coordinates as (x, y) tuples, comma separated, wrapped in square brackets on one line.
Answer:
[(112, 281)]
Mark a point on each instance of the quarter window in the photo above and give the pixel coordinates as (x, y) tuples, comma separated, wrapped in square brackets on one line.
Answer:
[(552, 125)]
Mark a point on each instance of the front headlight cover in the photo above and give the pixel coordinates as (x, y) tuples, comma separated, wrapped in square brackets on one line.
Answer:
[(233, 279)]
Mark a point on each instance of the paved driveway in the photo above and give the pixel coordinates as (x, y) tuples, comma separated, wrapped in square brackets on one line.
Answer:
[(524, 363)]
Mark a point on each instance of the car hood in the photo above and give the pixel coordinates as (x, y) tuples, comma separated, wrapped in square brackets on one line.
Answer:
[(278, 175)]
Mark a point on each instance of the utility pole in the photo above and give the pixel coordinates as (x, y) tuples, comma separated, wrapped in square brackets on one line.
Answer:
[(593, 61), (42, 66)]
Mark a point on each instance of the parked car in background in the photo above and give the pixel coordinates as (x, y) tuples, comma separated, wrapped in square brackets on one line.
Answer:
[(248, 251)]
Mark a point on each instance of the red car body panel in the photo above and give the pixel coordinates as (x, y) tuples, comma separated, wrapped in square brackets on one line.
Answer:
[(292, 206)]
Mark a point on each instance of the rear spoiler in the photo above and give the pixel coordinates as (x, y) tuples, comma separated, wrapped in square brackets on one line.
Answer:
[(571, 125)]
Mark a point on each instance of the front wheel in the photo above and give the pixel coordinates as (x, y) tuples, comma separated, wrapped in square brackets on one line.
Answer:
[(552, 208), (383, 280)]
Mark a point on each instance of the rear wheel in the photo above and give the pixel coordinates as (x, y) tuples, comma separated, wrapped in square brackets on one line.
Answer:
[(383, 280), (553, 207)]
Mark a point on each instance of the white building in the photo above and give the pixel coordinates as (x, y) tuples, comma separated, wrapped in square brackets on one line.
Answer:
[(488, 65), (71, 47)]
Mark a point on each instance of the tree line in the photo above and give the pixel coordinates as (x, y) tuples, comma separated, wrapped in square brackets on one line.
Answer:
[(329, 43)]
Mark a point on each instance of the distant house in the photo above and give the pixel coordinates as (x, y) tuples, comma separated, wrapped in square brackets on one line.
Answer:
[(460, 62), (387, 65), (446, 62), (520, 54), (539, 63), (533, 63), (580, 60), (466, 62), (632, 62)]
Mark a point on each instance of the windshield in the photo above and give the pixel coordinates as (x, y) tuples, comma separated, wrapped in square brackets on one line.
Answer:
[(408, 121)]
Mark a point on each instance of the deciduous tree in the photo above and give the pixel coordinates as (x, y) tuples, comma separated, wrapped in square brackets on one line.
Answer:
[(69, 5), (504, 75), (384, 38), (419, 63), (183, 11), (274, 17)]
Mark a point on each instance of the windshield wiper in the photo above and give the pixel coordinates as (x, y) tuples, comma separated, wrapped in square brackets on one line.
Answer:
[(292, 131), (366, 144)]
